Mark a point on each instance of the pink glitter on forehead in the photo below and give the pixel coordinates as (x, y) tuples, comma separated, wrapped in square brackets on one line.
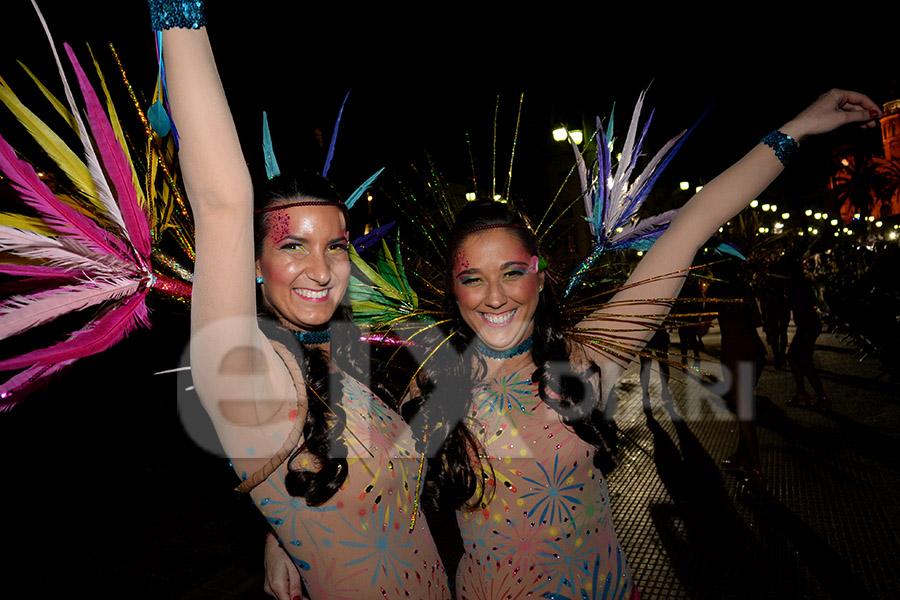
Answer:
[(459, 260), (279, 226)]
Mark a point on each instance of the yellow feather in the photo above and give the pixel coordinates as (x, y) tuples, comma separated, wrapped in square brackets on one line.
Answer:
[(52, 144), (27, 223), (59, 106)]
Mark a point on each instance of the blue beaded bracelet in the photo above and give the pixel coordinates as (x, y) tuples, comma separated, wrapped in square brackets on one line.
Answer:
[(784, 146), (186, 14)]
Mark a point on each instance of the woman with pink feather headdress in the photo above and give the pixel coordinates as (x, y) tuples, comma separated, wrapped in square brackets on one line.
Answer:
[(276, 360)]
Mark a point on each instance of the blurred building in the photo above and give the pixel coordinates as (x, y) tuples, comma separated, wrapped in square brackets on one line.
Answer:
[(866, 184), (890, 130)]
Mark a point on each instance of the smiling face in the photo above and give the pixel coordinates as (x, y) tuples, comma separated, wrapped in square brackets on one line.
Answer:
[(304, 263), (497, 286)]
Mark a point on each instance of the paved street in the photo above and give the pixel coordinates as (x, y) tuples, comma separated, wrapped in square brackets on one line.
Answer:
[(828, 525)]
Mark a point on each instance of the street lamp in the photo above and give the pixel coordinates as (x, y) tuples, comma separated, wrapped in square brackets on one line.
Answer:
[(561, 134)]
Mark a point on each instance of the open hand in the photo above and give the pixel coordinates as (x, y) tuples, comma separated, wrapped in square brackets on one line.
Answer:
[(832, 110)]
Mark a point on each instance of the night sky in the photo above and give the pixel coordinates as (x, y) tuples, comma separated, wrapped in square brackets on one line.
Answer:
[(420, 79)]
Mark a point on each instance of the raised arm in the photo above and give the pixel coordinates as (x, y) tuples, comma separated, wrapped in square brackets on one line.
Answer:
[(660, 274), (233, 366)]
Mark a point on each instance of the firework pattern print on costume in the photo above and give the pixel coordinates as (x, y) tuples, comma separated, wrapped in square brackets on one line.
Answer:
[(548, 530), (358, 543)]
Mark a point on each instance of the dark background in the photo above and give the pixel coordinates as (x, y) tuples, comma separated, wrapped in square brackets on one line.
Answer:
[(105, 493)]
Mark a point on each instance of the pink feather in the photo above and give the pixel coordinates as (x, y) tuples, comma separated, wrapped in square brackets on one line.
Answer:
[(20, 313), (57, 214), (114, 162), (18, 387), (35, 271), (99, 335)]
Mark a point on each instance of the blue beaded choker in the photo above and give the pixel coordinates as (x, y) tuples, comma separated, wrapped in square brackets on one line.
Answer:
[(310, 338), (501, 354)]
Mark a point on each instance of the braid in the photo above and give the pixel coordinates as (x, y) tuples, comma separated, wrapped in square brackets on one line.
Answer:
[(458, 475), (325, 417), (321, 434), (565, 391)]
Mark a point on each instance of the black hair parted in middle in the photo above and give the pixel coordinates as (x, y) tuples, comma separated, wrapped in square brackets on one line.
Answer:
[(305, 185)]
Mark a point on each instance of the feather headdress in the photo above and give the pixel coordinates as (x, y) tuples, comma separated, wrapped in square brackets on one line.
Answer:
[(93, 252), (613, 193), (271, 163)]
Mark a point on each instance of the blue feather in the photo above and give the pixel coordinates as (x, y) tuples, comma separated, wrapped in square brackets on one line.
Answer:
[(364, 242), (730, 249), (359, 191), (334, 138)]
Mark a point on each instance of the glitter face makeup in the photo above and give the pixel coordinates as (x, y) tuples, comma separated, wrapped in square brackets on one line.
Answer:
[(279, 226), (305, 264), (496, 290)]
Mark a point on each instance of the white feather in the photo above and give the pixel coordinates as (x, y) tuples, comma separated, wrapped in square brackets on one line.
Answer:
[(104, 193), (61, 252)]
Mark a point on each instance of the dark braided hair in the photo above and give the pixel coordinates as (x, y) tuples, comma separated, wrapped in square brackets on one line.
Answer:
[(325, 417), (454, 477)]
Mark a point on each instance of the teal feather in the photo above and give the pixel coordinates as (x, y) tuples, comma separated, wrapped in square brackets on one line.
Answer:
[(724, 248), (272, 169), (359, 191)]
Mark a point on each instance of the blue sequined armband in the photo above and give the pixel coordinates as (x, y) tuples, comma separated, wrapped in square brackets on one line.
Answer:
[(186, 14), (784, 145)]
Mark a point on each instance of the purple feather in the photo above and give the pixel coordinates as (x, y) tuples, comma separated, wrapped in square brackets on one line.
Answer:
[(334, 138), (645, 230), (366, 241), (651, 181), (604, 167)]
